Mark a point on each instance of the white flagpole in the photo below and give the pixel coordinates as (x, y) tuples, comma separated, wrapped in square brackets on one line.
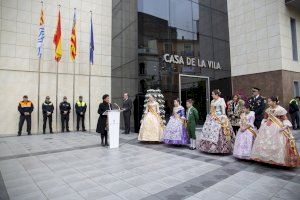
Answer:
[(39, 88), (90, 66), (56, 109), (73, 106)]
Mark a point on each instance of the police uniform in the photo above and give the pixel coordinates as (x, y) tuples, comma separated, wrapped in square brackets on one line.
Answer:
[(47, 107), (25, 107), (65, 107), (80, 107)]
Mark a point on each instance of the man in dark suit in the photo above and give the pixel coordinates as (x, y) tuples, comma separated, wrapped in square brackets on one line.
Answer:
[(127, 106), (257, 104)]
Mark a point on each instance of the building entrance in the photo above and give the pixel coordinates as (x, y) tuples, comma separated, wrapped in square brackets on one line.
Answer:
[(196, 88)]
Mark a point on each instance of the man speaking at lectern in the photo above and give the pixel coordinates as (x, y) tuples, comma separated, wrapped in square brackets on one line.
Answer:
[(102, 124)]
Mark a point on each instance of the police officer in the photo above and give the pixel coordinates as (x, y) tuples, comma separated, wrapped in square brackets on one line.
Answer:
[(80, 107), (47, 108), (65, 108), (25, 108)]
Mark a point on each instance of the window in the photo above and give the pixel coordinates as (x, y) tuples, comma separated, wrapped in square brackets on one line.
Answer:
[(142, 68), (296, 89), (168, 48), (294, 39)]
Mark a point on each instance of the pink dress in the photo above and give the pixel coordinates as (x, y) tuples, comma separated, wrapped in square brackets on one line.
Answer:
[(272, 145), (244, 139)]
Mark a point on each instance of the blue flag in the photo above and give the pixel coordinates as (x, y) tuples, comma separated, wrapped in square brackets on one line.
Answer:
[(41, 35), (92, 44)]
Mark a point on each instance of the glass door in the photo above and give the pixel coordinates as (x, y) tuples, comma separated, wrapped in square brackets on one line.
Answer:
[(196, 88)]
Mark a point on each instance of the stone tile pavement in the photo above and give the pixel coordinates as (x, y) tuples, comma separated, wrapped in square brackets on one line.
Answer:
[(74, 166)]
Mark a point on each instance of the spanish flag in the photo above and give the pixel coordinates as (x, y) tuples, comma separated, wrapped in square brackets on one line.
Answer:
[(57, 40), (73, 46)]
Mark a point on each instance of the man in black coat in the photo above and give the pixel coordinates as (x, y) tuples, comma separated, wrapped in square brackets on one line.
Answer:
[(80, 108), (48, 109), (65, 108), (102, 124), (258, 105), (127, 106), (294, 112), (25, 109)]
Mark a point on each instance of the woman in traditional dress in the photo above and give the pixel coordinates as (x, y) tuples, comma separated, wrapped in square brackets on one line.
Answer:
[(216, 135), (151, 125), (175, 132), (246, 134), (275, 143), (234, 110)]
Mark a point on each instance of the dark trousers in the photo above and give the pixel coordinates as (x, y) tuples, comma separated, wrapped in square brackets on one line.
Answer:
[(257, 123), (45, 118), (82, 122), (126, 116), (295, 120), (64, 122), (104, 138), (21, 122), (235, 129)]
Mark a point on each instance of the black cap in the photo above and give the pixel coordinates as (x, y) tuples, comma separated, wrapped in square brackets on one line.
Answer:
[(255, 89)]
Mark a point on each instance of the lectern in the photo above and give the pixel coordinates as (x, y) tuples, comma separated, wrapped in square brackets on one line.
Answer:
[(113, 127)]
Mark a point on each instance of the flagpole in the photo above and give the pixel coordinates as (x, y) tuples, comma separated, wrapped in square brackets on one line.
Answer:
[(90, 66), (39, 88), (73, 106), (56, 109)]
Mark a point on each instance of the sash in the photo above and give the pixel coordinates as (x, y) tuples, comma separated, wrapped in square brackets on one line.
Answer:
[(244, 122), (182, 121), (225, 124), (150, 109), (287, 133)]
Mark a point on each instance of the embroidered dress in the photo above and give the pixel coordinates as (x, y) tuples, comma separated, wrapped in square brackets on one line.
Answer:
[(273, 145), (216, 135), (151, 126), (244, 139), (175, 132)]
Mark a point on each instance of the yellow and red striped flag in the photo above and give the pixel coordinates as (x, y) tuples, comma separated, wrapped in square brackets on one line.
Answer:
[(57, 40), (73, 45)]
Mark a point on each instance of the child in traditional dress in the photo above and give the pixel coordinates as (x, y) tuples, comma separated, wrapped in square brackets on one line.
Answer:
[(245, 135), (192, 117)]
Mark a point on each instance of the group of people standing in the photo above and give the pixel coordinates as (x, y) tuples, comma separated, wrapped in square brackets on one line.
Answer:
[(26, 107), (245, 128)]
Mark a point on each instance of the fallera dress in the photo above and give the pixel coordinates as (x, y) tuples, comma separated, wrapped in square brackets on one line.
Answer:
[(245, 136), (175, 132), (151, 126), (217, 134), (272, 145)]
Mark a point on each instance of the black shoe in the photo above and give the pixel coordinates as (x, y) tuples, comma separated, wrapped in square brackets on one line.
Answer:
[(19, 134), (51, 132), (29, 133), (68, 130), (102, 144), (106, 145), (83, 130), (77, 130), (192, 148), (44, 132)]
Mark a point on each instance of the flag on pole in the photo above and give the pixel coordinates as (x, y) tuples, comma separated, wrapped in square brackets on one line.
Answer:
[(73, 46), (91, 43), (41, 35), (57, 40)]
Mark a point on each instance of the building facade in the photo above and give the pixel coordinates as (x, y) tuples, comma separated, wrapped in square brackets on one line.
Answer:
[(19, 64), (264, 43), (186, 48)]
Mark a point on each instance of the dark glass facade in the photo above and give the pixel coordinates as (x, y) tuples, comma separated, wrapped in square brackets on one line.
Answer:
[(188, 28), (185, 28)]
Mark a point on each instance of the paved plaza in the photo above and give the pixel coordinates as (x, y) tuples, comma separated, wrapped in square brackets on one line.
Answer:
[(74, 166)]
